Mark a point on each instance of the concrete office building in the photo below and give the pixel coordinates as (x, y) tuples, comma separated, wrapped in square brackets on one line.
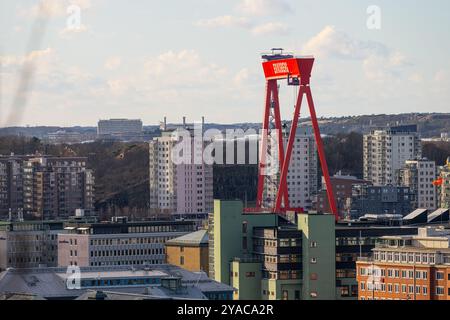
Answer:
[(120, 129), (182, 188), (151, 282), (264, 256), (118, 243), (29, 244), (45, 187), (407, 267), (386, 150), (419, 175), (368, 199), (302, 173)]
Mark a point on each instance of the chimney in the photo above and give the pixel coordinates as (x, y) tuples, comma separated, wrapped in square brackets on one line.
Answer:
[(184, 122), (165, 123)]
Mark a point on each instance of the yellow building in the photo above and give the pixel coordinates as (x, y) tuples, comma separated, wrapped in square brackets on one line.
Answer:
[(189, 252)]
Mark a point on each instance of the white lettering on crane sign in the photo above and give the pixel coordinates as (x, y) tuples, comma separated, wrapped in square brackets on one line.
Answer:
[(281, 67)]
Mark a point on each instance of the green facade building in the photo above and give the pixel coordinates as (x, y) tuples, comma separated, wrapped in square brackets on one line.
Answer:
[(265, 256)]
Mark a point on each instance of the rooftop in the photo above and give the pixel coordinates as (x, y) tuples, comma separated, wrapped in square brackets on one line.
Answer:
[(197, 238), (51, 283)]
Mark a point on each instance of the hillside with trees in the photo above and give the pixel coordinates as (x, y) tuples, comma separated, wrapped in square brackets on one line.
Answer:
[(121, 169)]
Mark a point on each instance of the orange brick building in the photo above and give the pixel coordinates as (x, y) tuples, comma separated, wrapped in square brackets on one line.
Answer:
[(407, 268), (189, 252)]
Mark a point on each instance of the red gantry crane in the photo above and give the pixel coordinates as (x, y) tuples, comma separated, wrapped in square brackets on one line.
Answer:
[(297, 70)]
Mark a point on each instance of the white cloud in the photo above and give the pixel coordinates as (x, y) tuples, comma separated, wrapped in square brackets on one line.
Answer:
[(113, 63), (183, 66), (224, 21), (241, 77), (338, 44), (271, 28), (379, 62), (19, 60), (263, 7)]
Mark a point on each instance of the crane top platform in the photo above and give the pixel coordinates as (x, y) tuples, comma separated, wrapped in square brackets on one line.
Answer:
[(278, 65)]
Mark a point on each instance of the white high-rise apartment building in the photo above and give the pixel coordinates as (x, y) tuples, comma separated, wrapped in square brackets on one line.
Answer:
[(419, 175), (181, 189), (302, 173), (386, 150)]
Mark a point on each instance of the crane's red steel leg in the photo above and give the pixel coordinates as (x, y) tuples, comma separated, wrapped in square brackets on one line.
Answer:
[(284, 171), (323, 160), (263, 145)]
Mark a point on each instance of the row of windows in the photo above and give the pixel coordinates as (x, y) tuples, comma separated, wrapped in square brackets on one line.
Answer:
[(395, 273), (125, 252), (125, 263), (395, 288), (405, 257), (128, 241), (119, 282)]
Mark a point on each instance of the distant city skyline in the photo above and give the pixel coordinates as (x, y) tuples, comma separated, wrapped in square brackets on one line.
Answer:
[(151, 59)]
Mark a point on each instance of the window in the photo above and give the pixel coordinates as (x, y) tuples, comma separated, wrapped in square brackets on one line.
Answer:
[(181, 260), (244, 243), (424, 290), (439, 275), (244, 227), (439, 291), (389, 288), (313, 260), (313, 244), (362, 286)]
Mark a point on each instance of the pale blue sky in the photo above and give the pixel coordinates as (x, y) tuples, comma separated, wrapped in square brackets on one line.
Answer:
[(148, 58)]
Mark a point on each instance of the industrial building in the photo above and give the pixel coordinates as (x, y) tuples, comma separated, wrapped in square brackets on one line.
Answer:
[(118, 243), (114, 282)]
